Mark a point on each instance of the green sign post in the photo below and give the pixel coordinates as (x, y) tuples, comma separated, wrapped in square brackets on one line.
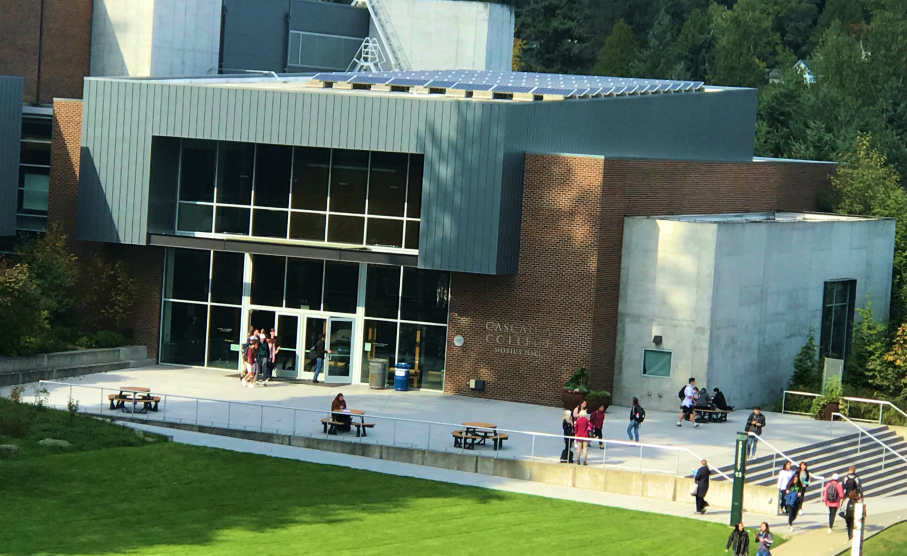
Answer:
[(739, 479)]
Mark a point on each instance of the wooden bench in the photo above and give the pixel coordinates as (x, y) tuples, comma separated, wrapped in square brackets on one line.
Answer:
[(463, 440), (361, 427), (329, 426), (148, 401), (116, 400), (119, 402), (498, 440), (715, 415)]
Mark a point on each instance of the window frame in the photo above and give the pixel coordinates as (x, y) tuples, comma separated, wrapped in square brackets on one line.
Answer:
[(642, 366)]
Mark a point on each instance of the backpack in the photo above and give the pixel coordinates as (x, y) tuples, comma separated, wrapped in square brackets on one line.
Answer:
[(640, 414), (682, 394), (831, 492)]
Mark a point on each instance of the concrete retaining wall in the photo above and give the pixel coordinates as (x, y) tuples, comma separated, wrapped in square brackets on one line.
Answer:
[(51, 366), (660, 487)]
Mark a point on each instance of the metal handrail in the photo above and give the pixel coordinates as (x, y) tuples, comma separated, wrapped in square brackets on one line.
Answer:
[(328, 412), (881, 403), (872, 436), (782, 454)]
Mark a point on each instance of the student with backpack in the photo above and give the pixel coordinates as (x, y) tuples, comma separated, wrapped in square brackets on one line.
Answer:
[(637, 416), (832, 496), (687, 397), (852, 483)]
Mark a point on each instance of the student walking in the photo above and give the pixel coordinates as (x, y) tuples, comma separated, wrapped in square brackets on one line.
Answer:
[(763, 540), (264, 355), (637, 416), (739, 541), (849, 509), (832, 496), (319, 357), (688, 397), (567, 425), (581, 428), (852, 483), (803, 473), (702, 486), (251, 358), (597, 421), (784, 477), (793, 499), (754, 424)]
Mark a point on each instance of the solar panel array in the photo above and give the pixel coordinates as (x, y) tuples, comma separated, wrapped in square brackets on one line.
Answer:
[(507, 84)]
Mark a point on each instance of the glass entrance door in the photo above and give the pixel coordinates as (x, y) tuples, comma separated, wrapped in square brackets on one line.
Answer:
[(339, 339), (287, 360), (314, 328)]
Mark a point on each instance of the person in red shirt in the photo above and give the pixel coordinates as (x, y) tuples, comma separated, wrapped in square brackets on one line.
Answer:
[(597, 420), (581, 429)]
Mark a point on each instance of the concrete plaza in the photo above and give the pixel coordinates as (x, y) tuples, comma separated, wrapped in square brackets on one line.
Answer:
[(425, 419)]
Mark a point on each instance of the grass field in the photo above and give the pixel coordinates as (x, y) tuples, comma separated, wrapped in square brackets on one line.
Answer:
[(172, 499), (890, 542)]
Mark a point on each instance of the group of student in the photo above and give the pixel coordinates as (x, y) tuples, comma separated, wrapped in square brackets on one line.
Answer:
[(840, 497), (259, 357), (693, 399), (581, 424)]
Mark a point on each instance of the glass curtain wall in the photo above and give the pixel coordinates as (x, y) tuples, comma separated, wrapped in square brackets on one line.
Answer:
[(305, 194), (406, 313), (404, 317), (34, 174)]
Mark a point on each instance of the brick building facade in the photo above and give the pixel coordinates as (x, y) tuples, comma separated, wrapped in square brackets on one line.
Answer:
[(47, 42), (561, 307)]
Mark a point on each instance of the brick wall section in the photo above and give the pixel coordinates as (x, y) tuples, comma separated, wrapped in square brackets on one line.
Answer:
[(145, 264), (63, 54), (570, 253), (553, 289)]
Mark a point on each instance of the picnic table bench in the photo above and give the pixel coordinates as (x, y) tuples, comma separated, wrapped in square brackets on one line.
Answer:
[(715, 415), (332, 425), (478, 433), (134, 395)]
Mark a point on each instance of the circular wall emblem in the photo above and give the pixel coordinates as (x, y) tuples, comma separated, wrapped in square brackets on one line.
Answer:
[(459, 340)]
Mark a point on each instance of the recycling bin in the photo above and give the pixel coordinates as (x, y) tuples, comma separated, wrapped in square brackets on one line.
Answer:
[(401, 377)]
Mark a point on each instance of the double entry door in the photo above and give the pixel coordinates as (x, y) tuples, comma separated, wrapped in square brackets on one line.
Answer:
[(298, 333)]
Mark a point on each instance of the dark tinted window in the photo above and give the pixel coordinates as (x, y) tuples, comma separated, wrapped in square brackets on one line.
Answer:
[(226, 278), (223, 332), (272, 175), (387, 184), (234, 173), (195, 218), (341, 284), (345, 229), (425, 295), (349, 178), (267, 280), (382, 291), (311, 168), (307, 225), (304, 280), (269, 223), (197, 170), (232, 220), (414, 198), (384, 233), (183, 333), (423, 348), (188, 274), (412, 235)]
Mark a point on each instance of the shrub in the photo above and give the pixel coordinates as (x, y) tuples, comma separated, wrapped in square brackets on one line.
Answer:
[(52, 267), (111, 295), (579, 382), (14, 420), (832, 393), (22, 311), (101, 339), (807, 375)]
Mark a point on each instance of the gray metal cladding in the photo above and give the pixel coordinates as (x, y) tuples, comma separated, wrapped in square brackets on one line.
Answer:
[(462, 142), (10, 137)]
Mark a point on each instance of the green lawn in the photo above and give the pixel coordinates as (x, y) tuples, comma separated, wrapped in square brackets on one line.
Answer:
[(890, 542), (166, 498)]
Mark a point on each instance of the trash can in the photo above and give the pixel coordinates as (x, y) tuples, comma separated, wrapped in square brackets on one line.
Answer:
[(377, 373), (401, 377)]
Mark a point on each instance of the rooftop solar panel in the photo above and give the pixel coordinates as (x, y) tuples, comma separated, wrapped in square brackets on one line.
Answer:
[(473, 86), (512, 89), (441, 84), (406, 82), (553, 91), (368, 79)]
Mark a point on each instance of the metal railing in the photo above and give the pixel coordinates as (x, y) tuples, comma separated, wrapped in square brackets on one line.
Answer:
[(388, 431), (863, 431), (778, 452), (388, 35), (881, 403)]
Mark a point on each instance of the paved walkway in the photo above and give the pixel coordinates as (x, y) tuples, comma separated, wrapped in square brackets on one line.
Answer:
[(818, 542), (810, 525), (299, 408)]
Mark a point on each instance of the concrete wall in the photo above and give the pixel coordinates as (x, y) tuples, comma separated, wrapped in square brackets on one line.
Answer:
[(666, 290), (734, 300), (52, 366), (161, 38), (445, 34), (769, 285)]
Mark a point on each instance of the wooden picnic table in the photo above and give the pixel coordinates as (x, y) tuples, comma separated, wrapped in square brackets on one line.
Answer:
[(331, 425), (134, 395), (478, 433)]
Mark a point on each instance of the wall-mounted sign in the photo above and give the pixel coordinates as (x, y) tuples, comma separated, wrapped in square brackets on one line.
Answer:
[(459, 340), (518, 339)]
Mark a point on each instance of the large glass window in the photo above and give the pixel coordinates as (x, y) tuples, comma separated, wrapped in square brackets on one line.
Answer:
[(304, 279), (268, 274), (423, 348), (382, 292), (341, 287), (223, 334), (183, 333), (226, 278), (380, 343), (306, 194), (425, 295), (837, 318), (187, 274)]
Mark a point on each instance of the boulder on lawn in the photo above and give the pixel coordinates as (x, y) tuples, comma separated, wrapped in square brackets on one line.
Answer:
[(8, 450), (55, 443), (139, 433)]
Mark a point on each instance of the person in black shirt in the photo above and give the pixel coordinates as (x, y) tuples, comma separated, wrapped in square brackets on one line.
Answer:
[(719, 400), (567, 425), (319, 357), (754, 424)]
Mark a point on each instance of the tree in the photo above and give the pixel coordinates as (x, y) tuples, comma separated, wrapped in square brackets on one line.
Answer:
[(52, 267), (618, 53), (21, 310), (806, 366), (693, 51), (894, 379), (111, 296), (745, 44), (866, 362), (556, 36), (865, 184)]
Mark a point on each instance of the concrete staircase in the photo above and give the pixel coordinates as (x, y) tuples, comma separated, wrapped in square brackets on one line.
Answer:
[(882, 473)]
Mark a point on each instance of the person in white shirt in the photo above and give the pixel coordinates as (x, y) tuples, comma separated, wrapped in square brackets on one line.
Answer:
[(784, 477), (686, 406)]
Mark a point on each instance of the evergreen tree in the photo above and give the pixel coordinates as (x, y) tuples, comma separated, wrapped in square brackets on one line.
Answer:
[(866, 361), (618, 52), (556, 36), (745, 44), (806, 366)]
